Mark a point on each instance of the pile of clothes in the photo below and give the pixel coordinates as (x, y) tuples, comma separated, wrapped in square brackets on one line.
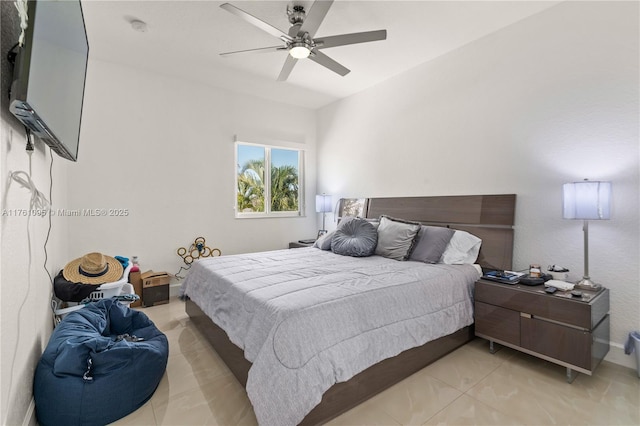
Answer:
[(86, 274)]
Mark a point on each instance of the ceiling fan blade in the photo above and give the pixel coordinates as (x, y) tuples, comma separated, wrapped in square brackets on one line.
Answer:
[(353, 38), (255, 21), (325, 61), (315, 16), (258, 50), (287, 67)]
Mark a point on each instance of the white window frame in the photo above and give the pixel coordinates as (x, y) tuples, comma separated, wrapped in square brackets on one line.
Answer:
[(267, 213)]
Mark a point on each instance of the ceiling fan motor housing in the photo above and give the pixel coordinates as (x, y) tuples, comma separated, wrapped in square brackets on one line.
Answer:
[(296, 15)]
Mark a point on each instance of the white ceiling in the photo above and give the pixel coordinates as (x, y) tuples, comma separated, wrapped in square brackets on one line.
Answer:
[(185, 38)]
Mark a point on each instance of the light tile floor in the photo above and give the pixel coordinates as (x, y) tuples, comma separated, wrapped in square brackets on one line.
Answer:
[(469, 386)]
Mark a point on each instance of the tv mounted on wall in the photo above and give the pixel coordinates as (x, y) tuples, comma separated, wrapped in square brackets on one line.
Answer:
[(49, 74)]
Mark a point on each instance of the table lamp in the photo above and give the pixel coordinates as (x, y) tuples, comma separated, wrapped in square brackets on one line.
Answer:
[(587, 200), (324, 205)]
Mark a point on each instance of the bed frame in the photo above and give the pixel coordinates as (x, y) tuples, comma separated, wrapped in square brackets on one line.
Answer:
[(490, 217)]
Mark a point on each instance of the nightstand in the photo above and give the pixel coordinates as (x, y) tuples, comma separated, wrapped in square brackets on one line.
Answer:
[(298, 244), (560, 328)]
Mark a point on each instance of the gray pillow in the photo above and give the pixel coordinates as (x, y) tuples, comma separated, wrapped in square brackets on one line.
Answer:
[(356, 238), (431, 243), (324, 242), (374, 222), (395, 237)]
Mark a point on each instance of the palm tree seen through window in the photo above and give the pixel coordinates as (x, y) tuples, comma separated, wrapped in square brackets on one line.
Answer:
[(259, 193)]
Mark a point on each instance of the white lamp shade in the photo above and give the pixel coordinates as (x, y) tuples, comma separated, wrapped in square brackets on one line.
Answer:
[(324, 204), (588, 200)]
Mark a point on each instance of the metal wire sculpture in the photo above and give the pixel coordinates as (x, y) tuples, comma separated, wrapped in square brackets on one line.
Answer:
[(197, 250)]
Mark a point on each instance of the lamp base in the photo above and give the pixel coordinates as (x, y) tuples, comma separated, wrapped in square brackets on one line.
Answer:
[(586, 284)]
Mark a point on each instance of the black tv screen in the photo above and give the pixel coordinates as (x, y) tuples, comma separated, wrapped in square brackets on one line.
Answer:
[(49, 74)]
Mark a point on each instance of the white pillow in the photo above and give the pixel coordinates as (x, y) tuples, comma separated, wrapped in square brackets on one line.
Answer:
[(463, 248)]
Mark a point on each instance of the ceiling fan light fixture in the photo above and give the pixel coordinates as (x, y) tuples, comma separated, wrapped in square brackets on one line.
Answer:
[(299, 39), (299, 51)]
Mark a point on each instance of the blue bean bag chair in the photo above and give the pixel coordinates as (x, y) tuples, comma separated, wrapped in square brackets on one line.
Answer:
[(94, 371)]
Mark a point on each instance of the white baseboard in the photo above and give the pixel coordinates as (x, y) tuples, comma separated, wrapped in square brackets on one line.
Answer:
[(30, 415), (174, 289), (616, 355)]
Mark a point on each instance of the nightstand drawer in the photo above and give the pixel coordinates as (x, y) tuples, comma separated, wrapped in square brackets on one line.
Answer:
[(557, 341), (499, 323), (534, 301)]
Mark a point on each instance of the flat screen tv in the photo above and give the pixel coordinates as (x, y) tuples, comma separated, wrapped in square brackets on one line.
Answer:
[(49, 74)]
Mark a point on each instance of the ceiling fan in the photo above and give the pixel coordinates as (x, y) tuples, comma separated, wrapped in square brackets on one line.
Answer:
[(300, 42)]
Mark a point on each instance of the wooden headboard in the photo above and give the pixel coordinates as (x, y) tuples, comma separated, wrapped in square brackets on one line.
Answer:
[(489, 217)]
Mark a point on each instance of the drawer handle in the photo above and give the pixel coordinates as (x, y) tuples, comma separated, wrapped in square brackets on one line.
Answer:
[(525, 315)]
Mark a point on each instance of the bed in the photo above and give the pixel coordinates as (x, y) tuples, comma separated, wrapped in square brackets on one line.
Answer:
[(311, 334)]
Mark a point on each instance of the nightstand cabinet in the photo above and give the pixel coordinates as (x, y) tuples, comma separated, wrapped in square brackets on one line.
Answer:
[(298, 244), (569, 331)]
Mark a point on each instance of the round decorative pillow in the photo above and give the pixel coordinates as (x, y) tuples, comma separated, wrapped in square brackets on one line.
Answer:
[(356, 238)]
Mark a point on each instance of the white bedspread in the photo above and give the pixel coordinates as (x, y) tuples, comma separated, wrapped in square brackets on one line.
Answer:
[(308, 318)]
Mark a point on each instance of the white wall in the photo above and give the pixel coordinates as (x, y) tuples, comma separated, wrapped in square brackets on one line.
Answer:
[(549, 100), (25, 288), (163, 148)]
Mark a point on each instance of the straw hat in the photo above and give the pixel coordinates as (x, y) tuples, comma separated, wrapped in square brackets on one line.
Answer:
[(93, 268)]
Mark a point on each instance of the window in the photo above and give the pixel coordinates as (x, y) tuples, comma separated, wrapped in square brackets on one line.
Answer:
[(269, 181)]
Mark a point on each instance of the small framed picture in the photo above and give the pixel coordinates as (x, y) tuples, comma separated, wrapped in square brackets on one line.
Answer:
[(353, 207)]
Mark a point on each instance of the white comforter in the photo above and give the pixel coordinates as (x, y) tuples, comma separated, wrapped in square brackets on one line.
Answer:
[(308, 318)]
